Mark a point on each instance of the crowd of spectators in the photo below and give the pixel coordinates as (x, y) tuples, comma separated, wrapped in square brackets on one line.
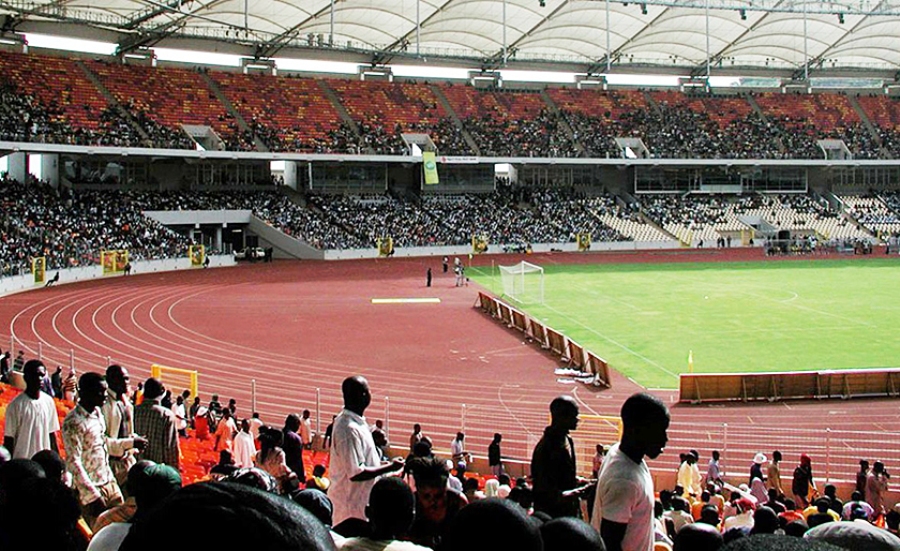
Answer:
[(70, 228), (121, 482), (669, 130), (540, 136)]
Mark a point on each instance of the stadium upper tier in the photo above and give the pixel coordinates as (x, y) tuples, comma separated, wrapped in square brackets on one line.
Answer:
[(57, 100)]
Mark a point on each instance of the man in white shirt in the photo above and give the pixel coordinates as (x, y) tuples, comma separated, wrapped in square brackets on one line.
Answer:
[(118, 413), (31, 419), (355, 463), (244, 450), (623, 505), (306, 430), (458, 449)]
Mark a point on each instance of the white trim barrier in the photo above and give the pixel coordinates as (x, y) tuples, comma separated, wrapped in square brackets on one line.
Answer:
[(15, 284)]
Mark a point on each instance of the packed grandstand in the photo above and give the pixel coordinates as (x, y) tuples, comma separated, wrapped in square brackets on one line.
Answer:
[(84, 102)]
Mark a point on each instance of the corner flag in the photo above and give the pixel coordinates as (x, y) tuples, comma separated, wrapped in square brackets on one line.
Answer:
[(690, 361)]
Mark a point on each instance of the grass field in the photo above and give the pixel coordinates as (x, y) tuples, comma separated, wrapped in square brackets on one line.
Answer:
[(762, 316)]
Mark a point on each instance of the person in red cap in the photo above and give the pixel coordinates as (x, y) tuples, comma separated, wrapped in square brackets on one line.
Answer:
[(803, 485)]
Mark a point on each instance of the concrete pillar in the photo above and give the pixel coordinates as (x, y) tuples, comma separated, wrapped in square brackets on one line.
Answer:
[(219, 237), (50, 169), (290, 174), (18, 166)]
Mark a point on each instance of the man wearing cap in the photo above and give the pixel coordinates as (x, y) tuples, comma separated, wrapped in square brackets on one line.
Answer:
[(744, 518)]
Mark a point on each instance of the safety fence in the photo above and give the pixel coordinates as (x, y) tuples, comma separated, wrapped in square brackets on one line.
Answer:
[(745, 387), (835, 452), (572, 353)]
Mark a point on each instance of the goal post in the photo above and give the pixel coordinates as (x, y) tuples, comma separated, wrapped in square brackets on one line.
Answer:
[(176, 379), (523, 282)]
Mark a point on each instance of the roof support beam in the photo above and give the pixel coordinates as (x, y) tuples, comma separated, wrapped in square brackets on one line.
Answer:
[(819, 60), (387, 54), (499, 58), (700, 70), (159, 32), (601, 63)]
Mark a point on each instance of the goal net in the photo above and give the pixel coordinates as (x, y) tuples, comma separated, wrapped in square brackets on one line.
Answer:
[(523, 282)]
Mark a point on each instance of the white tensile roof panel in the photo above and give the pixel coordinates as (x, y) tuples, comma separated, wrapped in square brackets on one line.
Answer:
[(858, 33)]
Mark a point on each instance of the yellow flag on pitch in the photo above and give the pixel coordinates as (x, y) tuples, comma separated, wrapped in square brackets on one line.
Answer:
[(430, 166), (690, 361)]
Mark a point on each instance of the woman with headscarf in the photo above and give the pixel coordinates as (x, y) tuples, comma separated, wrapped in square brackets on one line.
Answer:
[(803, 484)]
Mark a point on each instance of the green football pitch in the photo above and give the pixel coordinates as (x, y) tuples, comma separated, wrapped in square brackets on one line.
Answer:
[(645, 319)]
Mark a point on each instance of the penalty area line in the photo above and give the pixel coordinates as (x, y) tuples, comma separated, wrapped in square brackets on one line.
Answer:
[(406, 301)]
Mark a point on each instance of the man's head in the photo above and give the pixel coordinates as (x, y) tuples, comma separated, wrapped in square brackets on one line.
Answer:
[(117, 378), (715, 455), (245, 425), (91, 390), (564, 413), (830, 490), (292, 422), (570, 534), (306, 414), (878, 467), (356, 394), (391, 509), (697, 537), (776, 456), (863, 465), (153, 389), (498, 437), (823, 504), (765, 521), (492, 524), (33, 372), (254, 518), (645, 421), (460, 436), (430, 474), (417, 428), (150, 483)]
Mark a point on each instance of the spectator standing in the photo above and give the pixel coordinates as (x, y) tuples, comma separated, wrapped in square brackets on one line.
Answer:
[(158, 424), (293, 446), (270, 457), (458, 449), (876, 486), (225, 431), (415, 437), (756, 467), (55, 381), (31, 419), (803, 484), (862, 476), (255, 424), (773, 473), (379, 436), (714, 470), (556, 487), (19, 362), (495, 460), (306, 430), (87, 459), (597, 462), (244, 447), (4, 367), (355, 464), (623, 507), (118, 414), (178, 408)]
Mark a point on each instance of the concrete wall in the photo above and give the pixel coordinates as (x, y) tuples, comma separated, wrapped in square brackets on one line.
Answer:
[(285, 246), (16, 284), (464, 250)]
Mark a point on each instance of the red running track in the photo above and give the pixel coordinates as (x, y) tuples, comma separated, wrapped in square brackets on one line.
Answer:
[(295, 327)]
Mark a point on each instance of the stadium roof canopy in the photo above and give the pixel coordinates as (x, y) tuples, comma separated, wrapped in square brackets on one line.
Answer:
[(774, 37)]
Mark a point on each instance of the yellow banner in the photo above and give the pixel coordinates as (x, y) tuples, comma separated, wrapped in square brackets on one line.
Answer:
[(39, 268), (430, 166)]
